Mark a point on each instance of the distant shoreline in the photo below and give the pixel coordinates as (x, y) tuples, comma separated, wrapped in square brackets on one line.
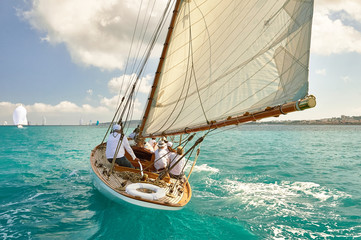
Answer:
[(343, 120)]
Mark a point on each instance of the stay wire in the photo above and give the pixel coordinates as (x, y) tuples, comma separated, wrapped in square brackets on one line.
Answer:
[(131, 45)]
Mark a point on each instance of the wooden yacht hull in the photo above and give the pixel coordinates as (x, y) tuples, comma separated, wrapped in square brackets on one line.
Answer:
[(110, 186)]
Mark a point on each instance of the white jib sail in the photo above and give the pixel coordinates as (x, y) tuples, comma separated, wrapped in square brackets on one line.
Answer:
[(19, 116), (229, 57)]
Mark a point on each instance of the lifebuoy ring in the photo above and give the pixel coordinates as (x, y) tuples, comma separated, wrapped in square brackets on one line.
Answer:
[(155, 194)]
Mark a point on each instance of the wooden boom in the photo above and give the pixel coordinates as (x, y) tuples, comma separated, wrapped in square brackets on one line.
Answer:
[(302, 104)]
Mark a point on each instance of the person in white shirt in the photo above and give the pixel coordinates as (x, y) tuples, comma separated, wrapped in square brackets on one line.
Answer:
[(161, 156), (153, 143), (134, 134), (112, 144), (177, 170), (147, 146)]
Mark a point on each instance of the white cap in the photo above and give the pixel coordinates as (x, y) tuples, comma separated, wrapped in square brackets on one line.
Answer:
[(161, 144), (116, 127)]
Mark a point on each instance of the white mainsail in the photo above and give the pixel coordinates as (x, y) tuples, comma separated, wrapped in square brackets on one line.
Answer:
[(19, 116), (229, 57)]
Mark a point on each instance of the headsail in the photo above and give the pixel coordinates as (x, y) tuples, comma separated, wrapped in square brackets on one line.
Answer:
[(226, 58)]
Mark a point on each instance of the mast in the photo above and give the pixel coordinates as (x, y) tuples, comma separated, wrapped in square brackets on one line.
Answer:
[(160, 66)]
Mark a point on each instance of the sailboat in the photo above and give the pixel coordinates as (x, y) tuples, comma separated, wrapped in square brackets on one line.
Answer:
[(43, 121), (19, 116), (223, 63)]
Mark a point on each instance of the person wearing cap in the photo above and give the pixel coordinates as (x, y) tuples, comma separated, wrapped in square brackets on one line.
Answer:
[(148, 147), (111, 148), (177, 170), (170, 147), (134, 134), (153, 143), (161, 157)]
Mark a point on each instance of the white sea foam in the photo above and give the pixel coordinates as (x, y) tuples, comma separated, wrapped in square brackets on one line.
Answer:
[(282, 191), (280, 231), (74, 172), (35, 196), (286, 199), (205, 168), (23, 201)]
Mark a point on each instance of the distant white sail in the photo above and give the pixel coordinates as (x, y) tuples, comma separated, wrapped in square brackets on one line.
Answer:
[(5, 123), (19, 116), (44, 120), (226, 58)]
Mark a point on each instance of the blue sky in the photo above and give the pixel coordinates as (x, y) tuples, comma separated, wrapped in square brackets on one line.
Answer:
[(52, 63)]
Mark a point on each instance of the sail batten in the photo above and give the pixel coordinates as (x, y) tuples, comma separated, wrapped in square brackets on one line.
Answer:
[(225, 58)]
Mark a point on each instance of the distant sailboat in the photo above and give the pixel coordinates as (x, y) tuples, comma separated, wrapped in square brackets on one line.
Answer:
[(223, 63), (5, 123), (44, 121), (19, 116)]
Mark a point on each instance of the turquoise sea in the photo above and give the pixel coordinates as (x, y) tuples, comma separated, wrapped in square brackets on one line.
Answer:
[(252, 182)]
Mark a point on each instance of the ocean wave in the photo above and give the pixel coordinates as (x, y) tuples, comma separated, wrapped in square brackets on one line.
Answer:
[(205, 168), (278, 203), (23, 201), (279, 192)]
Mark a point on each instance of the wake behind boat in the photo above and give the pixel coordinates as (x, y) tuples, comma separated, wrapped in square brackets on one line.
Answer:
[(223, 63)]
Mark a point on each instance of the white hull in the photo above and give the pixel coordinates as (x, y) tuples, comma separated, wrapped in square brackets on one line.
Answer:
[(20, 126), (119, 198)]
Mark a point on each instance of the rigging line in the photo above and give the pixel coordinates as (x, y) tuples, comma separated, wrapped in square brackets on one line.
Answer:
[(144, 32), (126, 104), (210, 61), (111, 123), (155, 35), (186, 77), (131, 45), (225, 129), (198, 142)]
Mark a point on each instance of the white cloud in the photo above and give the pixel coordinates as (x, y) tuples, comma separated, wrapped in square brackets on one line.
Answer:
[(96, 33), (321, 72), (332, 36), (64, 112), (90, 92), (67, 112), (120, 84)]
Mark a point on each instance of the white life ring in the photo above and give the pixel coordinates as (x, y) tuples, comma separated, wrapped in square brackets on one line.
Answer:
[(156, 194)]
